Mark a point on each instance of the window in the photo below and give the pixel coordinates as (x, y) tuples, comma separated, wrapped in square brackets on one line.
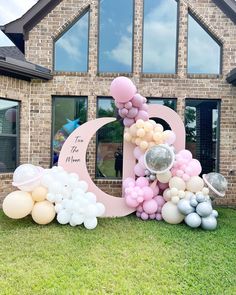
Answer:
[(68, 114), (115, 36), (160, 35), (71, 49), (109, 162), (204, 52), (202, 132), (9, 135), (171, 103)]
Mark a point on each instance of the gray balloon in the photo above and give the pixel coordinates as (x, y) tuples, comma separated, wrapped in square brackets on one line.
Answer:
[(204, 209), (185, 207), (209, 223), (214, 213), (200, 198), (193, 220), (193, 202)]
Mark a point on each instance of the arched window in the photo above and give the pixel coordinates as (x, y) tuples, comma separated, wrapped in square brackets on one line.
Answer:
[(159, 36), (115, 36), (204, 52), (71, 48)]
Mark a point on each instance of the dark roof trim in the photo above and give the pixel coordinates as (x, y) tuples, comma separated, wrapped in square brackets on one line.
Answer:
[(17, 30), (228, 7), (23, 70), (231, 77)]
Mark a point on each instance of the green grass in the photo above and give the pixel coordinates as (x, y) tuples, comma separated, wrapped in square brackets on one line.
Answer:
[(121, 256)]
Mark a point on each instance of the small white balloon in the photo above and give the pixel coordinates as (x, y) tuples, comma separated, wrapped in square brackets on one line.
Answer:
[(46, 180), (55, 187), (78, 192), (63, 217), (100, 209), (90, 223), (83, 185), (91, 197), (91, 211), (58, 208), (51, 197), (77, 219), (74, 175)]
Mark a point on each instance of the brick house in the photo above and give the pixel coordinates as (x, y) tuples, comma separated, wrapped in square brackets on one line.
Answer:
[(178, 53)]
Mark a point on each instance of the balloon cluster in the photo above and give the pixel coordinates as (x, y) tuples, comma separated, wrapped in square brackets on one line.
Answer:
[(147, 134), (168, 184), (45, 192), (198, 211), (131, 105)]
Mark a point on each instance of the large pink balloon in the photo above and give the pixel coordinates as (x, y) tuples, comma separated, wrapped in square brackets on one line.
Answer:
[(122, 89)]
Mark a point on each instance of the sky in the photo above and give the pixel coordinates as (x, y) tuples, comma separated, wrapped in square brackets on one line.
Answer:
[(11, 10)]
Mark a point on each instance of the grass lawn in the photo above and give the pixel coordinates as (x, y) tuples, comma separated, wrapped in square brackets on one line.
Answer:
[(121, 256)]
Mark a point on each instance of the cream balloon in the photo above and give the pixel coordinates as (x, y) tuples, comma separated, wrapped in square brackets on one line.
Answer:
[(17, 204), (171, 213), (195, 184), (39, 194), (177, 182), (164, 177), (43, 212)]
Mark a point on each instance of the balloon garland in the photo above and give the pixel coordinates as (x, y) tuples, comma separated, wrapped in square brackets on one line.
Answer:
[(166, 186)]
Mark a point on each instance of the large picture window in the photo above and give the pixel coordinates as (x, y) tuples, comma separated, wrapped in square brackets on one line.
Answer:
[(160, 36), (71, 48), (109, 162), (115, 36), (9, 135), (204, 52), (202, 132), (68, 114)]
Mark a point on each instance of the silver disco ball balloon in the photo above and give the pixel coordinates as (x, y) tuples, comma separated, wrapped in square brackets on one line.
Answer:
[(159, 158), (216, 183)]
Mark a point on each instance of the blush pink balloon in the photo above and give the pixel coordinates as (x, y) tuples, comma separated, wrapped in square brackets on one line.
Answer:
[(147, 193), (152, 216), (185, 154), (122, 89), (128, 122), (132, 113), (140, 208), (138, 214), (137, 152), (171, 137), (141, 162), (144, 216), (186, 177), (196, 167), (129, 182), (144, 107), (142, 115), (128, 105), (142, 182), (158, 216), (160, 201), (131, 202), (138, 170), (150, 206), (124, 112), (119, 105), (155, 190), (137, 100)]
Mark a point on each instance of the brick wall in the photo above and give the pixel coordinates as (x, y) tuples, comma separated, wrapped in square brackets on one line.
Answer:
[(39, 49)]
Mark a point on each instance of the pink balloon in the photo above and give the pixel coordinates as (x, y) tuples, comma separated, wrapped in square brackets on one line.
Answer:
[(144, 99), (137, 100), (131, 202), (140, 208), (144, 216), (142, 115), (128, 105), (152, 216), (144, 107), (119, 105), (171, 137), (148, 193), (138, 214), (142, 182), (138, 170), (196, 167), (128, 122), (132, 113), (185, 154), (155, 190), (141, 162), (179, 173), (160, 201), (186, 177), (158, 216), (124, 112), (150, 206), (122, 89), (129, 182), (163, 186), (120, 113), (137, 152)]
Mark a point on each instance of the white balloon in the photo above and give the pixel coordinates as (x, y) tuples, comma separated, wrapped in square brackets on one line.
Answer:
[(83, 185), (51, 197), (100, 209), (73, 183), (46, 180), (58, 208), (90, 223), (63, 217), (72, 223), (77, 219), (78, 192), (91, 197), (74, 175), (55, 187), (91, 211)]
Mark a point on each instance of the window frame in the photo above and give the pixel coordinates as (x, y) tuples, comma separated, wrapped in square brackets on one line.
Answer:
[(53, 99), (98, 45), (218, 102), (204, 27), (86, 10), (97, 109), (175, 99), (17, 135), (176, 47)]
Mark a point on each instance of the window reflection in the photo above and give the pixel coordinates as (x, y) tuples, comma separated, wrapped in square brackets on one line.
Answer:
[(115, 35), (109, 142), (71, 49), (202, 132), (68, 114), (160, 29), (9, 116), (204, 53)]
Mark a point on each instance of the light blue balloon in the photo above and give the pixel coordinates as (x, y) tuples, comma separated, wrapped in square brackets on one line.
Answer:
[(193, 220), (200, 198), (209, 223), (193, 202), (185, 207), (204, 209), (214, 213)]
